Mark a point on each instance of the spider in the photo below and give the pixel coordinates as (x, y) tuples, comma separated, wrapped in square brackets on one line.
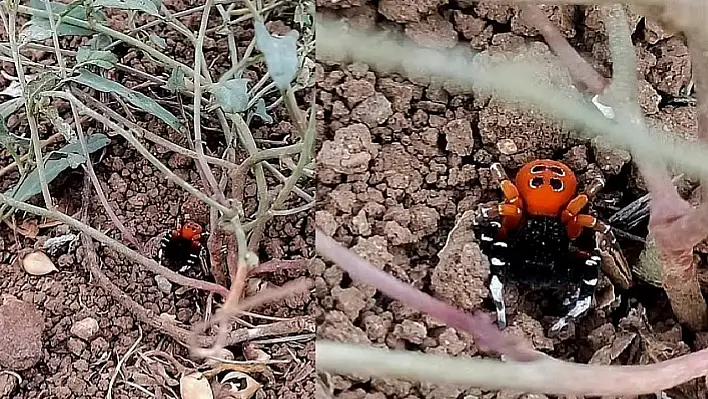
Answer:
[(529, 237), (184, 247)]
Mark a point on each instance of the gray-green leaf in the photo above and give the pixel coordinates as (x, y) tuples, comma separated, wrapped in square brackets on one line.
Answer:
[(140, 100), (39, 28), (99, 41), (232, 95), (56, 163), (176, 81), (101, 58), (280, 54), (158, 41), (262, 112), (9, 107), (147, 6), (52, 113)]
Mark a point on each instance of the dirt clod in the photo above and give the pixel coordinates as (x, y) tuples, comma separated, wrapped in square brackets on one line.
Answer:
[(8, 384), (459, 137), (21, 339), (85, 329), (609, 158), (433, 31), (460, 275)]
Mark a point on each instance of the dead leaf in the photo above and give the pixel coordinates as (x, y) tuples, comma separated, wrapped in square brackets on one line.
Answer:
[(29, 228), (195, 386), (38, 264), (238, 385)]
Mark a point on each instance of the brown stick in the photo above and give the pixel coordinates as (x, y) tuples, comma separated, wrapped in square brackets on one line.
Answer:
[(214, 247), (276, 265), (147, 263), (579, 69), (297, 325)]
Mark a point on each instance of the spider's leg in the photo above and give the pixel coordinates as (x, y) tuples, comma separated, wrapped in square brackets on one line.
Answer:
[(164, 242), (497, 250), (192, 258), (204, 261), (510, 210), (588, 267)]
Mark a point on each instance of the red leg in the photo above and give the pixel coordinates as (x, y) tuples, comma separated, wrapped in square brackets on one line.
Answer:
[(577, 223), (511, 193), (510, 215), (510, 210), (578, 203)]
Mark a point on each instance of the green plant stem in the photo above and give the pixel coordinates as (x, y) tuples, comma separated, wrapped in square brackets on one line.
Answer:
[(29, 105), (183, 13), (305, 158), (51, 140), (198, 143), (272, 169), (127, 234), (55, 39), (148, 135), (141, 149)]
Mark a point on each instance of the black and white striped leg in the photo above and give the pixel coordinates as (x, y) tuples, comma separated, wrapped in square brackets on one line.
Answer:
[(588, 270), (498, 253), (163, 247), (192, 259)]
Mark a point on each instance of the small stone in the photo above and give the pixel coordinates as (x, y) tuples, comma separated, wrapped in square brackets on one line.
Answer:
[(8, 384), (411, 331), (433, 31), (397, 234), (81, 365), (350, 300), (85, 329), (507, 146), (459, 136), (163, 284), (21, 338), (373, 111), (610, 159)]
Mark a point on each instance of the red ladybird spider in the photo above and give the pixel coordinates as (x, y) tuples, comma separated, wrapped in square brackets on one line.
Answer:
[(529, 237), (185, 246)]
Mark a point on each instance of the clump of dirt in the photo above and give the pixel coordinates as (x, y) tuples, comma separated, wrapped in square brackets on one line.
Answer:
[(402, 160)]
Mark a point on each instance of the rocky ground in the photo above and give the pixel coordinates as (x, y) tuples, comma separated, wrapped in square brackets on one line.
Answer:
[(418, 157), (62, 333)]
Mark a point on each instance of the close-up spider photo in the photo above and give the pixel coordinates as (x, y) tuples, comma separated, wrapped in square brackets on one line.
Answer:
[(510, 200)]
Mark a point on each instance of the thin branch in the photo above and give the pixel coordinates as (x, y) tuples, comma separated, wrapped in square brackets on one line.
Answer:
[(127, 234), (479, 324), (55, 39), (579, 69), (198, 143), (149, 264), (115, 34), (141, 149), (148, 135), (10, 28), (51, 140), (545, 375)]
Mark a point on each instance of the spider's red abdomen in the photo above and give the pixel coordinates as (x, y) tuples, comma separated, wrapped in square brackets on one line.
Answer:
[(545, 186)]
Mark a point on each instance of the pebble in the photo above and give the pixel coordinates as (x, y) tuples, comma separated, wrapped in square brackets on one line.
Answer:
[(163, 284), (85, 329)]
